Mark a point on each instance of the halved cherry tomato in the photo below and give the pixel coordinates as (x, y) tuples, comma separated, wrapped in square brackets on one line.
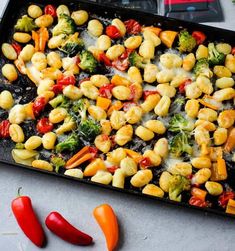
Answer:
[(194, 201), (104, 59), (4, 129), (112, 169), (128, 105), (225, 197), (38, 105), (113, 32), (16, 47), (44, 125), (66, 80), (145, 162), (106, 91), (148, 93), (184, 84), (199, 36), (50, 10), (233, 51), (132, 26)]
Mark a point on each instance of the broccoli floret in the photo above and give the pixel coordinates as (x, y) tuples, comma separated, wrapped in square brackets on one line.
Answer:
[(179, 123), (66, 25), (60, 101), (180, 144), (72, 45), (177, 105), (89, 129), (177, 185), (202, 68), (57, 162), (25, 24), (88, 62), (136, 60), (186, 42), (79, 109), (71, 143), (215, 57)]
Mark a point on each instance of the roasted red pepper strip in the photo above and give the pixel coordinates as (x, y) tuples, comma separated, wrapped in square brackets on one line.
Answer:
[(50, 10), (39, 105), (199, 36), (184, 84), (233, 51), (44, 126), (194, 201), (4, 129), (148, 93), (145, 162), (27, 219), (113, 32), (104, 59), (66, 80), (57, 89), (132, 26), (106, 91), (16, 47), (225, 197), (62, 228)]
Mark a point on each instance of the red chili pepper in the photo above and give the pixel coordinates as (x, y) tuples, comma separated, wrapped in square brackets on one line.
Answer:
[(27, 219), (128, 105), (112, 169), (4, 129), (199, 36), (62, 228), (44, 125), (57, 89), (16, 47), (113, 32), (233, 51), (148, 93), (132, 26), (66, 80), (105, 91), (145, 162), (225, 197), (194, 201), (104, 59), (38, 105), (184, 84), (50, 10)]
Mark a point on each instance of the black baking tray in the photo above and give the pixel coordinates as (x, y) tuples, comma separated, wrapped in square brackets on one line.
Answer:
[(25, 91)]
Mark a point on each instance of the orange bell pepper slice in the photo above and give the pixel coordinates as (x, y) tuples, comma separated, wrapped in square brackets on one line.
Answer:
[(230, 143), (103, 103), (168, 37), (155, 30)]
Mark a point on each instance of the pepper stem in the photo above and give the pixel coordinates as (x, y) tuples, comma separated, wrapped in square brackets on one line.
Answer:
[(18, 192)]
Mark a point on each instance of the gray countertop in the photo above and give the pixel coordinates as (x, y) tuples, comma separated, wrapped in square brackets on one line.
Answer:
[(144, 224)]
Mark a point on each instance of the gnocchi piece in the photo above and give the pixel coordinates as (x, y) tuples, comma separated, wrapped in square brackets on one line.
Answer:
[(72, 92), (102, 177), (106, 126), (17, 114), (161, 147), (56, 41), (164, 181), (189, 62), (150, 102), (181, 168), (224, 94), (224, 82), (226, 118), (22, 37), (201, 136), (117, 119), (149, 35), (135, 75), (165, 76), (207, 114), (147, 49), (103, 143), (171, 60), (42, 164), (221, 71), (192, 108), (220, 136), (8, 51), (121, 92), (34, 11), (16, 133), (6, 100), (202, 52), (162, 107), (57, 115), (192, 91), (103, 43), (115, 51), (156, 126), (9, 72), (70, 65), (134, 114), (89, 90), (95, 27), (133, 42), (67, 126), (54, 60), (39, 60), (45, 85), (27, 53), (150, 73), (120, 26), (118, 179), (204, 85), (214, 188), (48, 140), (144, 133), (44, 21), (128, 166), (201, 176), (141, 178), (97, 112), (155, 159), (62, 9), (32, 143), (166, 90), (205, 124), (201, 162), (95, 166), (99, 80), (116, 156), (153, 190), (80, 17), (224, 48), (178, 80), (124, 135), (77, 173), (230, 63)]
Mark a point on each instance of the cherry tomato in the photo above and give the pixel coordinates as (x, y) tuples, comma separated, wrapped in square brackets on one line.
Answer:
[(106, 91), (113, 32), (233, 51), (184, 84), (148, 93), (16, 47), (50, 10), (194, 201), (44, 125), (132, 26), (4, 129), (128, 105), (225, 197), (38, 105), (57, 89), (199, 36), (104, 59), (66, 80), (145, 162), (112, 169)]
